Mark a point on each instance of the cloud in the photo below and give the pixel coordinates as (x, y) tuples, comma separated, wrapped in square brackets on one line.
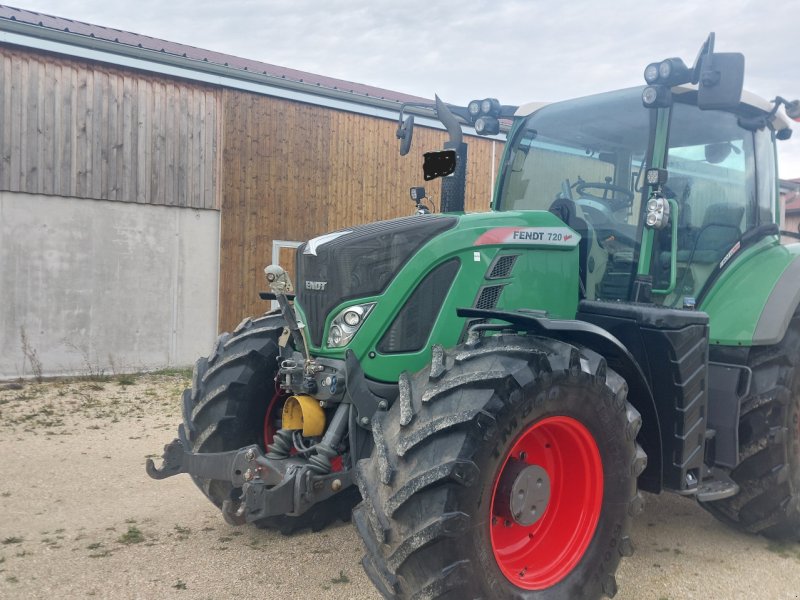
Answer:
[(515, 50)]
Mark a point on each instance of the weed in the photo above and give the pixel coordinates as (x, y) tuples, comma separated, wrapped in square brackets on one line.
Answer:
[(342, 578), (132, 536), (12, 579), (5, 494), (23, 553), (186, 373), (183, 532), (29, 353), (785, 549), (2, 559), (94, 546), (125, 380), (12, 540), (180, 585)]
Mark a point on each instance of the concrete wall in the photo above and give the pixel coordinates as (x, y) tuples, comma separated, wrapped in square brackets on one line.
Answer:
[(105, 286)]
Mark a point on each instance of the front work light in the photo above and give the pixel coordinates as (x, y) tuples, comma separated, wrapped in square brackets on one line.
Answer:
[(651, 73), (656, 96), (657, 212), (487, 126), (490, 106), (669, 72), (656, 177)]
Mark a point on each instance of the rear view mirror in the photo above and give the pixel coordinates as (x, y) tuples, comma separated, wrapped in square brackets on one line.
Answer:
[(721, 81), (439, 164), (405, 132)]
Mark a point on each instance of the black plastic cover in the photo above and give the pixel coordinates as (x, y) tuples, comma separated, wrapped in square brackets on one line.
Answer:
[(672, 347)]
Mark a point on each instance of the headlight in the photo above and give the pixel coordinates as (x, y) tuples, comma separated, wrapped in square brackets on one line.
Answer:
[(345, 324), (335, 336), (352, 318)]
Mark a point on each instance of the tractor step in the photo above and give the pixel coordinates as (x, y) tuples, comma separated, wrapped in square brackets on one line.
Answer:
[(717, 485)]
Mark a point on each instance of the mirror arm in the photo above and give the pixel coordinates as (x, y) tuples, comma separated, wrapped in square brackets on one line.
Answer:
[(450, 122)]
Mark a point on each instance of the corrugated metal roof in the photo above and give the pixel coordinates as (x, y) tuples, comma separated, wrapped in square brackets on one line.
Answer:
[(134, 40)]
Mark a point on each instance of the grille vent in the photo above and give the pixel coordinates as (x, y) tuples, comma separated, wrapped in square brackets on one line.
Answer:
[(488, 297), (502, 266)]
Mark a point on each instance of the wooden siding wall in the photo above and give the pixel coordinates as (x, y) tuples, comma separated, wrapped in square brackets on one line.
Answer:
[(73, 128), (292, 171)]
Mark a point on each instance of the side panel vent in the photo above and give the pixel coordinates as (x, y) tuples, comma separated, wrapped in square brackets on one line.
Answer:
[(502, 266), (488, 297), (412, 326)]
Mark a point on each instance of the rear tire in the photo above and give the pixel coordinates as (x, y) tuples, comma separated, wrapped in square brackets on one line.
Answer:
[(769, 445), (225, 409), (429, 521)]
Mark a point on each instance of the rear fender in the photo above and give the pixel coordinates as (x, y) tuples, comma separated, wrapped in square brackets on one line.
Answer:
[(753, 299), (781, 304)]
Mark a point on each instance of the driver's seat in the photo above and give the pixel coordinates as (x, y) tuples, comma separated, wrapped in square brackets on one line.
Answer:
[(565, 209)]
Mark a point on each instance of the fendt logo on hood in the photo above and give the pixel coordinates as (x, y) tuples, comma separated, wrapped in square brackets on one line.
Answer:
[(317, 286)]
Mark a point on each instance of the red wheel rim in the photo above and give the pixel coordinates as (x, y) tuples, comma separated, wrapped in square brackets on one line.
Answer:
[(270, 417), (538, 556)]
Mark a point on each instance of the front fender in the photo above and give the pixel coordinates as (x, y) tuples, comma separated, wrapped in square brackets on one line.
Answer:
[(617, 357)]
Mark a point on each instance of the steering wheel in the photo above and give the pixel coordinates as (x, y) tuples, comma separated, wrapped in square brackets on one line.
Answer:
[(614, 204)]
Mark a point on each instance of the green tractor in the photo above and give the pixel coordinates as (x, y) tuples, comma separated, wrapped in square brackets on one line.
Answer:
[(492, 391)]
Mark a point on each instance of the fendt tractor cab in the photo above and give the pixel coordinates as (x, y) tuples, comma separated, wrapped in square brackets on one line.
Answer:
[(496, 388)]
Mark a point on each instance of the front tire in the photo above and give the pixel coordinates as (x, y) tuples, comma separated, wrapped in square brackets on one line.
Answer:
[(448, 450), (234, 402)]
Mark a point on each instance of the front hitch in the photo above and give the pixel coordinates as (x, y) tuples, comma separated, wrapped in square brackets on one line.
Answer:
[(237, 466), (269, 487)]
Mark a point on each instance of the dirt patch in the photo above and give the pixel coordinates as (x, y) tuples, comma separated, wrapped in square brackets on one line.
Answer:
[(80, 518)]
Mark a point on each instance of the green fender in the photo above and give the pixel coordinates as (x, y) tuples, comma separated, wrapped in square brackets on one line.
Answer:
[(753, 300)]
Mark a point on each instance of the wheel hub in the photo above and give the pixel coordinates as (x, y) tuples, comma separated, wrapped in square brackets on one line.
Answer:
[(523, 493)]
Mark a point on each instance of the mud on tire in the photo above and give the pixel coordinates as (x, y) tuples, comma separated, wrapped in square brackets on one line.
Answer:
[(768, 473), (428, 487), (226, 407)]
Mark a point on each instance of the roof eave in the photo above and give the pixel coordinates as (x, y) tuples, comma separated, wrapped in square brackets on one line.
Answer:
[(172, 60)]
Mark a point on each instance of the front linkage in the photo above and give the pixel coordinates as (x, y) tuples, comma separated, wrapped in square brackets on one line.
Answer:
[(272, 484), (288, 480)]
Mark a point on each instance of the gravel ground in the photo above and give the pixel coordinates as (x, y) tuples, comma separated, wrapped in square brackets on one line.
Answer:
[(79, 518)]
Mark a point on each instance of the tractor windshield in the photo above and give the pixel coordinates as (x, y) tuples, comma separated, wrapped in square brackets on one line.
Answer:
[(581, 160)]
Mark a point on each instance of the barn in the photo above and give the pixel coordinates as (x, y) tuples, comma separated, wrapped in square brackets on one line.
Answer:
[(145, 184)]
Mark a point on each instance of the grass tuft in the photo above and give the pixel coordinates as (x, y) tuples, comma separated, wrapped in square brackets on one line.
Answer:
[(342, 578), (132, 536), (13, 540)]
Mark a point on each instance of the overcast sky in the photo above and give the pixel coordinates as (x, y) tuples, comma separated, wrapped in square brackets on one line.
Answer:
[(515, 50)]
